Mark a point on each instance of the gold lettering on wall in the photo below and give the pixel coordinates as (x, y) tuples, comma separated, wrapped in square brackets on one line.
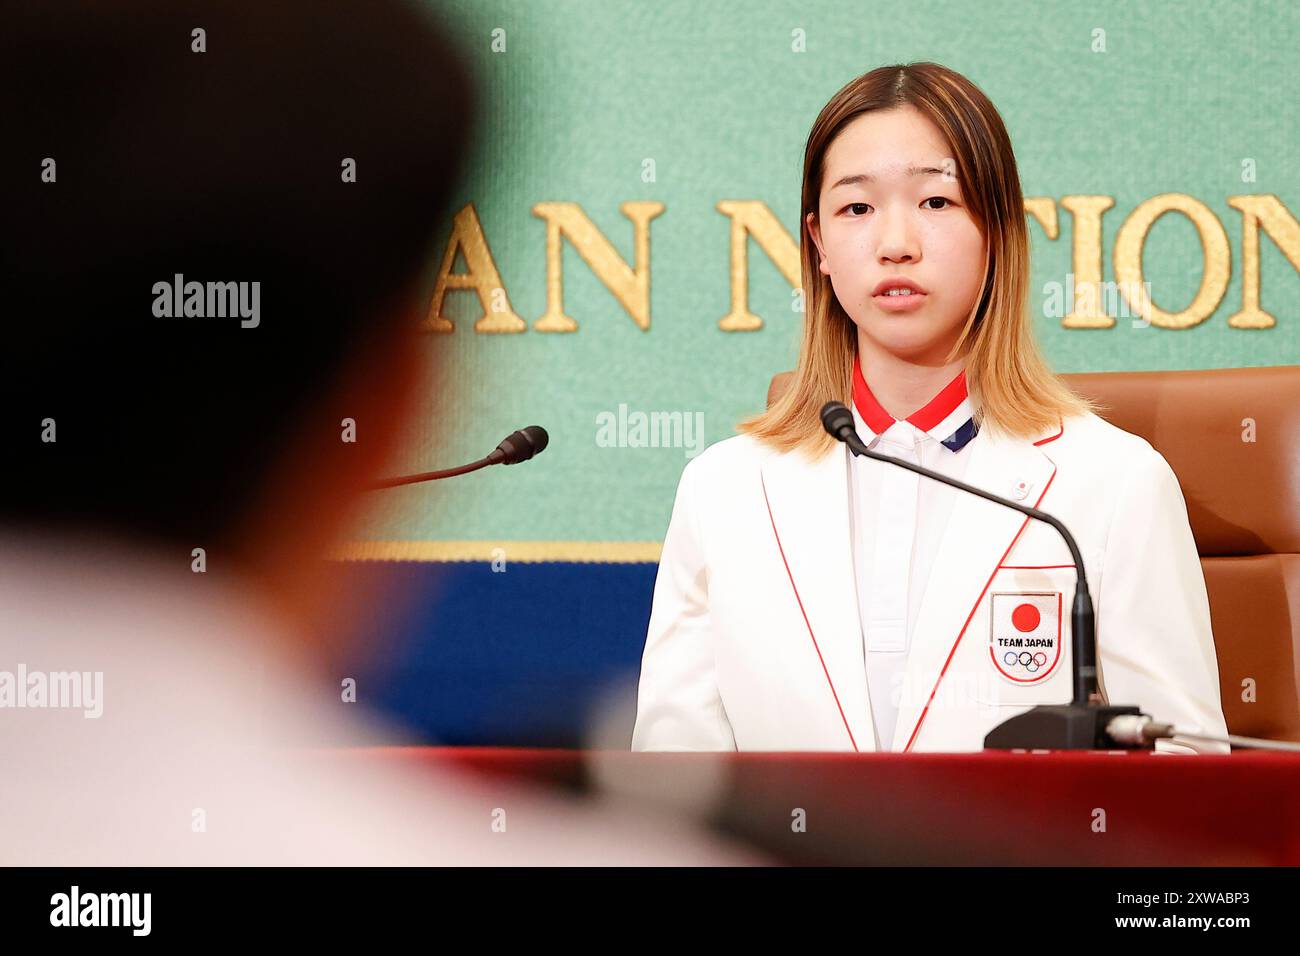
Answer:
[(1215, 255), (1085, 262), (1283, 229), (1043, 208), (753, 218), (1091, 304), (631, 287), (482, 277)]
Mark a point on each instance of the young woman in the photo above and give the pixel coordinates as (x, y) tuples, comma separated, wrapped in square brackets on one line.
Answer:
[(809, 599)]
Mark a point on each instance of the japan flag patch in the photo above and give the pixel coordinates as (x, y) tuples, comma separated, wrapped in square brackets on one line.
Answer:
[(1025, 635)]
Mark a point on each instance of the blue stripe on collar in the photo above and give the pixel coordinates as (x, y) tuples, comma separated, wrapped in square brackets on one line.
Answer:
[(962, 436)]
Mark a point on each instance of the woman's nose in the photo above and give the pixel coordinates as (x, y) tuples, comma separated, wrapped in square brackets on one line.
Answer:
[(897, 242)]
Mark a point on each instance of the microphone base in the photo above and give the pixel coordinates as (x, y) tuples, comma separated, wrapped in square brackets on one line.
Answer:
[(1060, 727)]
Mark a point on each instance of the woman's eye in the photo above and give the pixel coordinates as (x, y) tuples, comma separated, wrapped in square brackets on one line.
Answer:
[(859, 209)]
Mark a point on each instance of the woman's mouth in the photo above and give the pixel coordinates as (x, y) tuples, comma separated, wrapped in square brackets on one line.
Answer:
[(900, 300)]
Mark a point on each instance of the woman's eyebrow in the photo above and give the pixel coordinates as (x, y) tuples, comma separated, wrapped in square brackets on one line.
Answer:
[(869, 178)]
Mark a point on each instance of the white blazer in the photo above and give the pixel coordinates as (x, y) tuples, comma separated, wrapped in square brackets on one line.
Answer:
[(755, 640)]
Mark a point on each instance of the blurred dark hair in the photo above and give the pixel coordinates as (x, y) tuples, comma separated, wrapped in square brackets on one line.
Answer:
[(224, 166)]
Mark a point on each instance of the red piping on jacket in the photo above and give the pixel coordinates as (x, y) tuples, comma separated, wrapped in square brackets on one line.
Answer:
[(1044, 441), (807, 623)]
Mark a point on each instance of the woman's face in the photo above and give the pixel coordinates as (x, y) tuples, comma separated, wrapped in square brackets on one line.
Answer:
[(907, 221)]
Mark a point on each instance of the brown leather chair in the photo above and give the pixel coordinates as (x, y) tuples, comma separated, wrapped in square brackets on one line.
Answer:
[(1243, 499)]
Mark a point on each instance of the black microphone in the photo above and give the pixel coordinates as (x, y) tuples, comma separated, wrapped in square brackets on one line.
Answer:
[(520, 446), (516, 447), (1079, 725)]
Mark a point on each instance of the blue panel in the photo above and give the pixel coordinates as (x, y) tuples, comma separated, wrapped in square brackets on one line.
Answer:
[(509, 658)]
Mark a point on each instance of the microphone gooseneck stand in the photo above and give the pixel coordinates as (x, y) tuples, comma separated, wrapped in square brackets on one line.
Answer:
[(1084, 723)]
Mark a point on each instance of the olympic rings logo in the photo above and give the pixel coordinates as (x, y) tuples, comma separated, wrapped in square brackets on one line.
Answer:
[(1030, 662)]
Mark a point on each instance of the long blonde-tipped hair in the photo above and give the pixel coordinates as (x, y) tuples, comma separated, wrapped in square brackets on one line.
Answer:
[(1012, 388)]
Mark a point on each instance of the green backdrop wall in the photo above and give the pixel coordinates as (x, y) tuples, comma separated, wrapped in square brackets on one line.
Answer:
[(583, 99)]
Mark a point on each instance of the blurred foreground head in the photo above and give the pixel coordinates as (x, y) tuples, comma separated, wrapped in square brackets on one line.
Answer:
[(174, 432), (214, 142)]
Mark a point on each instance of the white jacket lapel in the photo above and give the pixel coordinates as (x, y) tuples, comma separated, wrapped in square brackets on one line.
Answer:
[(809, 504)]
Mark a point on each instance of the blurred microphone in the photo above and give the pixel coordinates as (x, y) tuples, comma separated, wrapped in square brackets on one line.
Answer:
[(1082, 724), (516, 447)]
